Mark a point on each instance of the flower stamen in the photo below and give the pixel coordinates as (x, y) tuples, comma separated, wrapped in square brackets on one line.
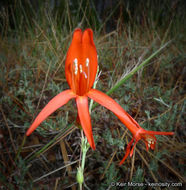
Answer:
[(75, 71), (87, 62), (80, 68), (76, 66), (85, 74)]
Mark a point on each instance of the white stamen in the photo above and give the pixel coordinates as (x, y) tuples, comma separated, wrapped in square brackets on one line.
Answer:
[(81, 69), (87, 62), (75, 61), (152, 142), (76, 66), (85, 74), (149, 145)]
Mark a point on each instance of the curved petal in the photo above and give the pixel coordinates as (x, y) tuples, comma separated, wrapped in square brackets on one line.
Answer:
[(112, 105), (127, 151), (84, 116), (132, 150), (53, 105)]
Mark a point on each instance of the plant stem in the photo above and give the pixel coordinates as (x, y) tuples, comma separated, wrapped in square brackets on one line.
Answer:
[(84, 148), (129, 75)]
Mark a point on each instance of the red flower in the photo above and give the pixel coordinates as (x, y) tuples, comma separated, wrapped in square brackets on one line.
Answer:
[(80, 70), (148, 137)]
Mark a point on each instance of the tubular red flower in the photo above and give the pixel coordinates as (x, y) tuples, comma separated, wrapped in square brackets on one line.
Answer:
[(80, 71), (81, 62)]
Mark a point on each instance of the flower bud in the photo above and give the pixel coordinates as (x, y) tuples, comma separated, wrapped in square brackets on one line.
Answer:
[(79, 175)]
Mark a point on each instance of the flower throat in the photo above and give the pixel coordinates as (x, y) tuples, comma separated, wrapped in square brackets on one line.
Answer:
[(80, 76)]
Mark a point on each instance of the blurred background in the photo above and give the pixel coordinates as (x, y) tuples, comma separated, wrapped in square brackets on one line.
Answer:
[(34, 39)]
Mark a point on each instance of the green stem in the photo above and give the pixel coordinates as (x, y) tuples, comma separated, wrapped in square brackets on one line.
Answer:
[(129, 75), (85, 147)]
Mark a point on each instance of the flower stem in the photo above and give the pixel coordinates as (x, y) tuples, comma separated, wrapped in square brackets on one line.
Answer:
[(84, 148)]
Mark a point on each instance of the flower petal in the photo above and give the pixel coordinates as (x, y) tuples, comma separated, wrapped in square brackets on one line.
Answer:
[(53, 105), (81, 62), (156, 133), (89, 51), (127, 151), (74, 51), (132, 150), (84, 116), (112, 105)]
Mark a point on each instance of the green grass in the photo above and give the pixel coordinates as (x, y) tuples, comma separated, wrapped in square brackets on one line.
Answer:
[(33, 46)]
